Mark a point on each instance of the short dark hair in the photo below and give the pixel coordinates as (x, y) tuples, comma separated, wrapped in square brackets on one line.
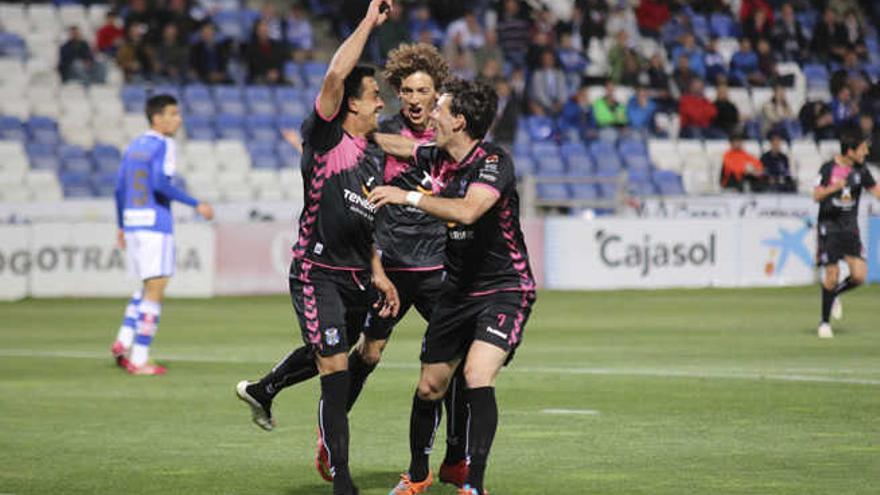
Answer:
[(851, 137), (354, 86), (476, 101), (156, 104)]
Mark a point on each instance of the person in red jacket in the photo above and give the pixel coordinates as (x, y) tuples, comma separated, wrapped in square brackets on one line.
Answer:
[(748, 7), (741, 170), (697, 114), (651, 16), (109, 36)]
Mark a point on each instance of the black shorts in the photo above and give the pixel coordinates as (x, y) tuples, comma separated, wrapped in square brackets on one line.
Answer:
[(834, 245), (331, 305), (415, 288), (498, 319)]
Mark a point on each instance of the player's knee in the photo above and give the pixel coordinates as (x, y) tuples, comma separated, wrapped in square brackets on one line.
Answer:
[(857, 278), (431, 389), (371, 351), (475, 377)]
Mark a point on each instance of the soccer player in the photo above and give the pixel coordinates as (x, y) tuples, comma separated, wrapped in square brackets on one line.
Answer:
[(838, 189), (489, 290), (144, 193), (334, 258)]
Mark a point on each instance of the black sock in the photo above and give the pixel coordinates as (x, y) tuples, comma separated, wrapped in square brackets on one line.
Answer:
[(456, 420), (845, 286), (359, 370), (423, 423), (483, 423), (827, 302), (333, 422), (298, 366)]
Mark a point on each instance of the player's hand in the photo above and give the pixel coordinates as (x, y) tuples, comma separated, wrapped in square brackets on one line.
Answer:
[(205, 210), (378, 11), (837, 184), (293, 137), (387, 195), (120, 239), (389, 302)]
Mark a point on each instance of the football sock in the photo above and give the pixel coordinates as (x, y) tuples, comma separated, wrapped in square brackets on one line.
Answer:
[(827, 302), (147, 325), (129, 322), (845, 286), (333, 424), (424, 418), (298, 366), (456, 420), (359, 370), (482, 424)]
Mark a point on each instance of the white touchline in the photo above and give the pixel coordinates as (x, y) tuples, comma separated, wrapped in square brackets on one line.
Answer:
[(581, 412), (774, 375)]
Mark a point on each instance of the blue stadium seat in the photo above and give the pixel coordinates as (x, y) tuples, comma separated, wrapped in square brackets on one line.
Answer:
[(43, 130), (12, 45), (545, 150), (313, 73), (540, 128), (288, 121), (134, 96), (198, 100), (74, 159), (165, 89), (580, 165), (294, 108), (523, 165), (288, 157), (668, 183), (230, 126), (572, 149), (632, 146), (229, 99), (76, 184), (817, 76), (606, 190), (262, 127), (552, 192), (259, 100), (106, 158), (229, 24), (550, 166), (200, 127), (606, 158), (263, 155), (522, 134), (43, 156), (641, 188), (12, 129), (638, 164), (103, 184), (584, 191), (723, 26), (700, 26)]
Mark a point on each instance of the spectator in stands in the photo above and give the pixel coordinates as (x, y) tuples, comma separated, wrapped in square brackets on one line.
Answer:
[(683, 75), (274, 24), (816, 118), (576, 113), (140, 13), (727, 117), (544, 21), (747, 9), (513, 34), (716, 66), (777, 113), (76, 62), (788, 36), (177, 13), (652, 15), (679, 26), (466, 32), (548, 90), (461, 64), (622, 18), (744, 66), (693, 53), (872, 130), (842, 7), (298, 32), (421, 22), (607, 111), (854, 34), (574, 27), (109, 36), (766, 62), (573, 61), (776, 166), (503, 130), (135, 57), (697, 114), (265, 57), (640, 111), (757, 27), (209, 59), (620, 59), (595, 16), (490, 72), (828, 38), (843, 107), (541, 42), (741, 171), (489, 51), (172, 55)]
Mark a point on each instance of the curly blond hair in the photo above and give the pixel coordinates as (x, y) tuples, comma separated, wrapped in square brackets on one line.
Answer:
[(408, 59)]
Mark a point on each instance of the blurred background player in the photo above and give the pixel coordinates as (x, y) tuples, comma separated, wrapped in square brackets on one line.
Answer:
[(334, 257), (144, 193), (838, 191), (489, 290)]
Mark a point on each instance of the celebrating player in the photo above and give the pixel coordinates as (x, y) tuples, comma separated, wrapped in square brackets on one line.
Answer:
[(489, 291), (334, 256), (144, 193), (838, 190)]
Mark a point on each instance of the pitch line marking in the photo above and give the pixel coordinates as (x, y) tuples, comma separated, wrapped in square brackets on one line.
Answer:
[(543, 370), (572, 412)]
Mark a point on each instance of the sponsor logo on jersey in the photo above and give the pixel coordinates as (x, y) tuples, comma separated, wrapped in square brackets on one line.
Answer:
[(497, 333), (359, 200)]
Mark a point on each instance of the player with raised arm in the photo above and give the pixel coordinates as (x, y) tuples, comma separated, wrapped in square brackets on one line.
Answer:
[(489, 291), (334, 258), (144, 193), (838, 190)]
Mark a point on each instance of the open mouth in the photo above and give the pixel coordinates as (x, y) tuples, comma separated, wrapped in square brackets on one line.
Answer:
[(415, 113)]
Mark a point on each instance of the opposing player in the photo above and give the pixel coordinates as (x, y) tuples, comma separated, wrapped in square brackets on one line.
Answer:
[(334, 257), (489, 291), (838, 190), (144, 193)]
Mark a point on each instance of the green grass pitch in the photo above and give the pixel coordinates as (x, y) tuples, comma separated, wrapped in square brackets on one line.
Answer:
[(635, 392)]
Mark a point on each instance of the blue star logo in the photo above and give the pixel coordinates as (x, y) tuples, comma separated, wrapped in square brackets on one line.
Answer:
[(790, 243)]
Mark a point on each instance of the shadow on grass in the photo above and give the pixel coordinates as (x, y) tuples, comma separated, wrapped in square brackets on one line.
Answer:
[(364, 479)]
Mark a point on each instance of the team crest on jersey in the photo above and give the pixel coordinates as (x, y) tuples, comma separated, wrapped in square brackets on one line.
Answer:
[(462, 188), (331, 336), (492, 160)]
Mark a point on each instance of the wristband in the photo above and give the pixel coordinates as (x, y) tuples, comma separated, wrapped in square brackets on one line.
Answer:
[(413, 198)]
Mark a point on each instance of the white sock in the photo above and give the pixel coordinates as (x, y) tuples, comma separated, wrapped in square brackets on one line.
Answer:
[(147, 325), (127, 329)]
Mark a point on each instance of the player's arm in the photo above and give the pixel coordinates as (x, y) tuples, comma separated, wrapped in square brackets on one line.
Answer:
[(119, 199), (346, 58), (389, 301), (396, 145), (467, 210), (161, 183), (821, 192)]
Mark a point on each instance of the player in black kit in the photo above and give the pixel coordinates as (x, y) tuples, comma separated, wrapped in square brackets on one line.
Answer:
[(334, 259), (838, 189), (489, 290)]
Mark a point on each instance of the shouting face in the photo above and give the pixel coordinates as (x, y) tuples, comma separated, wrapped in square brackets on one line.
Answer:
[(417, 97)]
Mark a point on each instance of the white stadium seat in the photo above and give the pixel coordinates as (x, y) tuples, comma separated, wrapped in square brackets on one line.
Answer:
[(232, 155), (664, 154)]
